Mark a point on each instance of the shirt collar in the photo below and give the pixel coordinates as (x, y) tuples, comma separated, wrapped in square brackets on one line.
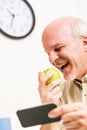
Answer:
[(84, 80), (79, 83)]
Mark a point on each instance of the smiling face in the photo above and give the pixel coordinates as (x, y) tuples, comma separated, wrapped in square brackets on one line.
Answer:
[(65, 52)]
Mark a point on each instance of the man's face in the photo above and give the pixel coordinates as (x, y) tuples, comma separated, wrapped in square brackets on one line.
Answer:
[(65, 53)]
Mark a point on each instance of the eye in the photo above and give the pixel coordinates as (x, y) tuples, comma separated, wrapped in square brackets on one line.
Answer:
[(58, 49)]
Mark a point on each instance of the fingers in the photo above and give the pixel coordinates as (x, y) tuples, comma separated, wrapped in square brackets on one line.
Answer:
[(43, 79), (51, 92), (72, 125), (73, 116), (64, 109)]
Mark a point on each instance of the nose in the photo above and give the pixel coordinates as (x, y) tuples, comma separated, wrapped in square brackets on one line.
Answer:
[(53, 56)]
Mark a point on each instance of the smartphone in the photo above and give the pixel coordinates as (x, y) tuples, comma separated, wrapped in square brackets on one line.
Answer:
[(36, 115)]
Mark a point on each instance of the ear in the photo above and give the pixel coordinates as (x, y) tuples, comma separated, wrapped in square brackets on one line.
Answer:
[(84, 40)]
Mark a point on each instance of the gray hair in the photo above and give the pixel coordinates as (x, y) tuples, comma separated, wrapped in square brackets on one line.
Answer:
[(79, 27)]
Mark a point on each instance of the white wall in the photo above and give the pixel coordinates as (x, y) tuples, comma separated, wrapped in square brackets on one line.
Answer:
[(21, 60)]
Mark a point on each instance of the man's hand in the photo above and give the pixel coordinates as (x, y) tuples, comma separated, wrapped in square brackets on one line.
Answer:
[(51, 92), (74, 116)]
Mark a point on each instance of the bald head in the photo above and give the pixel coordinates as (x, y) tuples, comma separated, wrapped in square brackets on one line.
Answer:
[(70, 25)]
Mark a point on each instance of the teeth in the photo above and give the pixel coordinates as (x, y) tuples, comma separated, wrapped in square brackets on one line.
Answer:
[(60, 65)]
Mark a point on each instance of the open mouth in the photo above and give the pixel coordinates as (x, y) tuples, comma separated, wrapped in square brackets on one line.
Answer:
[(63, 65)]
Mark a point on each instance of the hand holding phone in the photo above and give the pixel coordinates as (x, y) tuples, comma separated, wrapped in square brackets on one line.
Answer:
[(36, 115)]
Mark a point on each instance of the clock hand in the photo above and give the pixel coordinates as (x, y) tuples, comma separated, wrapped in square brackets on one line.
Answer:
[(12, 17), (12, 20), (10, 13)]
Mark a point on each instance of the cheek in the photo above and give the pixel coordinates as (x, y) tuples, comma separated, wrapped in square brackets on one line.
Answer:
[(75, 67), (52, 57), (51, 61)]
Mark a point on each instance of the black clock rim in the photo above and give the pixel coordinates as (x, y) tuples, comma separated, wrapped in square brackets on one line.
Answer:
[(31, 29)]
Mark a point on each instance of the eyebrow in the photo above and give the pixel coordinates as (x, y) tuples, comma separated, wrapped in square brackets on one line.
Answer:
[(56, 45)]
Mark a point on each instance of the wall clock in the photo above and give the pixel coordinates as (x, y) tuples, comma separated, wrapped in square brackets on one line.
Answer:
[(17, 18)]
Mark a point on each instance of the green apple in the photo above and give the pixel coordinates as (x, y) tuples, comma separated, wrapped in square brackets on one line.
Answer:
[(54, 77)]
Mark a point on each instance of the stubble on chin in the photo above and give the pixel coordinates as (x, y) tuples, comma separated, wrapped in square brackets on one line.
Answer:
[(69, 77)]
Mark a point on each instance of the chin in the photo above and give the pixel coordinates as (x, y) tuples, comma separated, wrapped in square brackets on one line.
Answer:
[(69, 76)]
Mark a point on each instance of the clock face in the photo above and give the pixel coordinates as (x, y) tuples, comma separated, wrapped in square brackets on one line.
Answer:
[(17, 18)]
